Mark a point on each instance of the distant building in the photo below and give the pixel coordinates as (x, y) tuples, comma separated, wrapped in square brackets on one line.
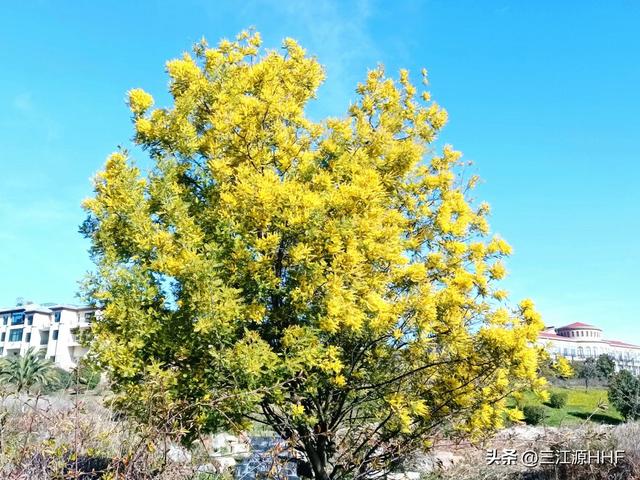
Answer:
[(53, 330), (579, 341)]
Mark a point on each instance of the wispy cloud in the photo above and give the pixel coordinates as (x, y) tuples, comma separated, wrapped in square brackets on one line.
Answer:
[(26, 112), (337, 33), (42, 211), (23, 103)]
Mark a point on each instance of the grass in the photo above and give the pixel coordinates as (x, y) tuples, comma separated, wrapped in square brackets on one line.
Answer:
[(582, 406)]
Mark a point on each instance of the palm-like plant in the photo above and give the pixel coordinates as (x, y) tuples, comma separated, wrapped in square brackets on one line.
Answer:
[(26, 371)]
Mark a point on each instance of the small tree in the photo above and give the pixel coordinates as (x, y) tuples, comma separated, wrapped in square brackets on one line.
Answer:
[(331, 279), (27, 371), (624, 394), (587, 370), (606, 366)]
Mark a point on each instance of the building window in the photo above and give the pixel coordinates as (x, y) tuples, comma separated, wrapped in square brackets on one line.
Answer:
[(566, 352), (44, 337), (580, 352), (28, 339), (1, 350), (55, 334), (5, 319), (17, 319), (30, 319), (56, 317), (3, 336), (588, 351), (15, 335), (89, 316)]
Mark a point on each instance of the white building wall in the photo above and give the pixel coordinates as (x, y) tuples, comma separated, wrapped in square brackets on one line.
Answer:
[(625, 357), (52, 331)]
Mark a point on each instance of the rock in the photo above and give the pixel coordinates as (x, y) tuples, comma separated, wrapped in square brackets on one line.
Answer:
[(225, 443), (433, 460), (207, 468), (178, 454), (403, 476), (524, 433), (224, 464)]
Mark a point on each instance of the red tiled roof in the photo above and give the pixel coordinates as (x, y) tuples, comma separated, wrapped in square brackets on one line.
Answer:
[(613, 343), (617, 343), (554, 336), (578, 325)]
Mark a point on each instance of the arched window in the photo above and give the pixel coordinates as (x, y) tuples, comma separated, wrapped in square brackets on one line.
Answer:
[(580, 352), (588, 351)]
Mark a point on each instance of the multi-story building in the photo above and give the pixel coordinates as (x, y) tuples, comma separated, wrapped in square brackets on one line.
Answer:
[(579, 341), (53, 330)]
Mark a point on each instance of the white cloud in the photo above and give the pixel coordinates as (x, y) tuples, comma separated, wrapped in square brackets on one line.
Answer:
[(23, 103)]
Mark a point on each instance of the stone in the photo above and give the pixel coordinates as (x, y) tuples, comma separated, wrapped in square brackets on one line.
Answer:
[(224, 464), (431, 461), (178, 454)]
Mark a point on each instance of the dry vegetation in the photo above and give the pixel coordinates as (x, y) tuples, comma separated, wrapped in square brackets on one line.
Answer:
[(75, 437), (471, 463), (67, 436)]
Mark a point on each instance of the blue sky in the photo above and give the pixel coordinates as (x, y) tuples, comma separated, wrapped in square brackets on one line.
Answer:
[(542, 97)]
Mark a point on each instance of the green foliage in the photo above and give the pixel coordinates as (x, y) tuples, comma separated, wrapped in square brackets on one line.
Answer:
[(624, 394), (28, 371), (606, 366), (587, 370), (558, 399), (582, 405), (328, 276), (534, 414), (86, 376), (61, 380)]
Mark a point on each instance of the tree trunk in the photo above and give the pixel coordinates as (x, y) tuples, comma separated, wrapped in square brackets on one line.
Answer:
[(318, 460)]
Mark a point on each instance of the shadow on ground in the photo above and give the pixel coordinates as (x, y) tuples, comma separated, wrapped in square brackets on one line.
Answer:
[(596, 417)]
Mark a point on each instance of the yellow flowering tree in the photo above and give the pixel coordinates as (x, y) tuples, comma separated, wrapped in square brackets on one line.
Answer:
[(331, 279)]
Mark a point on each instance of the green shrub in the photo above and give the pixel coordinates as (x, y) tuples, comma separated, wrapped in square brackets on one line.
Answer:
[(534, 414), (624, 394), (79, 379), (61, 382), (558, 399), (88, 376)]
